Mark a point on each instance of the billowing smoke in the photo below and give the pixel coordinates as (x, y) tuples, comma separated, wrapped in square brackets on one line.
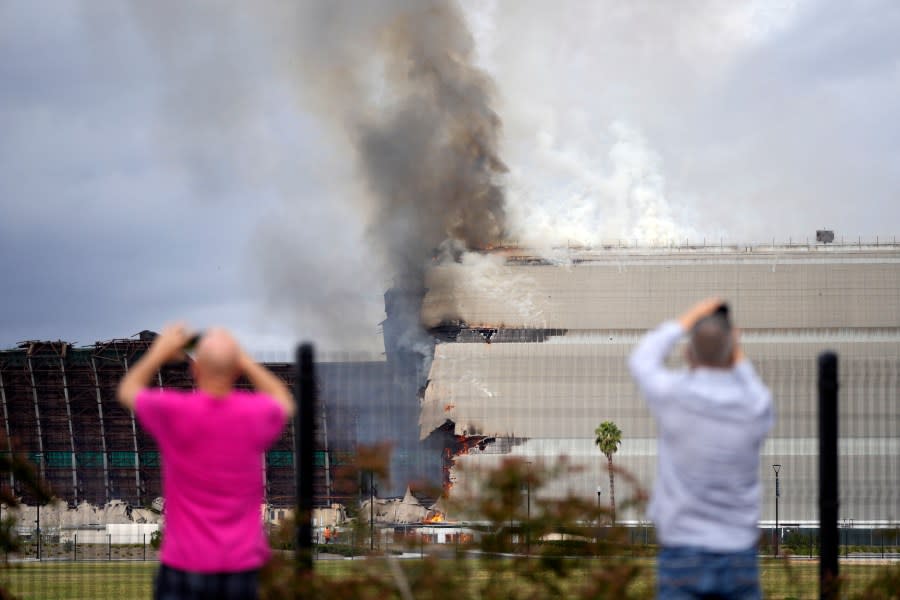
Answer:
[(406, 161), (398, 79), (406, 169), (430, 156)]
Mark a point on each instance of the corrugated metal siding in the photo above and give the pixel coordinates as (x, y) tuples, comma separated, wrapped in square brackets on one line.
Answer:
[(792, 305), (782, 291)]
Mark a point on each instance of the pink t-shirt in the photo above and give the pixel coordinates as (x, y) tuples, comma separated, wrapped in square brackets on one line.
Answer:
[(212, 479)]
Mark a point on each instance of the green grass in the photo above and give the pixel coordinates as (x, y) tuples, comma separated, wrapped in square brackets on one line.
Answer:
[(800, 579), (126, 580), (80, 581), (780, 579)]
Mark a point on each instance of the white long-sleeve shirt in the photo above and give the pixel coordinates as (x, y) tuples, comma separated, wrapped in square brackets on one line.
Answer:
[(712, 424)]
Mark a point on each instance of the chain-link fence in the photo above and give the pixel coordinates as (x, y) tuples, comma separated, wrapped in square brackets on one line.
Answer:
[(524, 358)]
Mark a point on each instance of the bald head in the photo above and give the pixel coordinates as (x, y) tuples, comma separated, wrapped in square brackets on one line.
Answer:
[(711, 342), (216, 361)]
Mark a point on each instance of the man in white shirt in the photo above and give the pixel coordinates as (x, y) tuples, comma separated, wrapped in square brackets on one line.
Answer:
[(712, 419)]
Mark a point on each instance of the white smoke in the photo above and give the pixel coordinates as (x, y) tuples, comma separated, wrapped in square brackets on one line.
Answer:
[(590, 94), (487, 277), (570, 195)]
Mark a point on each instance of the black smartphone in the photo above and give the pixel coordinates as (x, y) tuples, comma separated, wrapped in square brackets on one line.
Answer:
[(192, 341), (722, 311)]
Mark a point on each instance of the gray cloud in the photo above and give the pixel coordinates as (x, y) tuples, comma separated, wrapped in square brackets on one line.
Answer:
[(99, 237)]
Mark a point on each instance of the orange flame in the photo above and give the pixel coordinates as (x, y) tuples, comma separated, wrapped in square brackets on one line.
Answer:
[(461, 444)]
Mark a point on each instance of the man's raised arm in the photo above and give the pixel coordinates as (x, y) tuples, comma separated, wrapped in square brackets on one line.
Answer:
[(702, 309), (266, 382), (167, 346), (647, 361)]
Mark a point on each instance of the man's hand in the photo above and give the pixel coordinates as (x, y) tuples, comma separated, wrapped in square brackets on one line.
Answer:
[(702, 309), (169, 345), (737, 353)]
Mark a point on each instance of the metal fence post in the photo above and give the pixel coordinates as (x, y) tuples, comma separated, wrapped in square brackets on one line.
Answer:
[(828, 475), (109, 546), (304, 431), (145, 546), (75, 547)]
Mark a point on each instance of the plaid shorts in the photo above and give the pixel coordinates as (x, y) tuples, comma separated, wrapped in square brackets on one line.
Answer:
[(175, 584), (687, 573)]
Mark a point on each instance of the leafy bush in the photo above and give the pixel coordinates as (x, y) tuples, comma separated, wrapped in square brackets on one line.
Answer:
[(549, 549), (885, 586), (156, 539), (341, 549), (801, 543), (17, 464), (554, 548)]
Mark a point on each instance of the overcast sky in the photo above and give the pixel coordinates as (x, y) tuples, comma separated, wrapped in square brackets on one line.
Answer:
[(162, 162)]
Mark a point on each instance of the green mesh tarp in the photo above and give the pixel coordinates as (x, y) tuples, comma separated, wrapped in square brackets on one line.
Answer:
[(279, 459), (121, 459), (89, 459)]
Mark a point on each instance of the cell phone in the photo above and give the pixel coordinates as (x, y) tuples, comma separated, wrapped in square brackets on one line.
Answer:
[(192, 341), (722, 311)]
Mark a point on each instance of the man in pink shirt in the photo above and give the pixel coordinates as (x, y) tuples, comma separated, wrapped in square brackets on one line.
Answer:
[(212, 442)]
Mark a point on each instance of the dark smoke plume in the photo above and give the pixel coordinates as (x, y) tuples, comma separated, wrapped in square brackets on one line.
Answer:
[(398, 78), (430, 157), (409, 143), (420, 120)]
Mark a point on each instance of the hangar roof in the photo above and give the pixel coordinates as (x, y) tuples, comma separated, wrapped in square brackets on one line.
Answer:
[(627, 289)]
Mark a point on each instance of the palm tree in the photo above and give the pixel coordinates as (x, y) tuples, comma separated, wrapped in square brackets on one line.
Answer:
[(609, 436)]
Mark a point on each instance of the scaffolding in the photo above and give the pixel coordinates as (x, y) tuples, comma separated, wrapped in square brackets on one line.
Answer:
[(59, 409)]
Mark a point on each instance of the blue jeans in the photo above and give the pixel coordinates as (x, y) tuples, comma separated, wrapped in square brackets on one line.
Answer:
[(175, 584), (684, 573)]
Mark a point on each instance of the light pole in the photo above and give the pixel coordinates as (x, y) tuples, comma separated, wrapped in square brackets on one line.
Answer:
[(38, 531), (371, 510), (599, 492), (776, 468), (528, 507)]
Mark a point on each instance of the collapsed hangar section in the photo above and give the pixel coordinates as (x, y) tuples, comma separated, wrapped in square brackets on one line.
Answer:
[(59, 409)]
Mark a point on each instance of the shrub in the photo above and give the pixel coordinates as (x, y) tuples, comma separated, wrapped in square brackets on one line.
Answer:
[(341, 549), (885, 586), (547, 550), (798, 542)]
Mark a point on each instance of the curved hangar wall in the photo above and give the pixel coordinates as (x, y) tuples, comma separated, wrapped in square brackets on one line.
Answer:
[(58, 406), (590, 308)]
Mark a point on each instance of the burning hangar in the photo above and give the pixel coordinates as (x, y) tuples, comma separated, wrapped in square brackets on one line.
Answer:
[(59, 408), (533, 348), (524, 355)]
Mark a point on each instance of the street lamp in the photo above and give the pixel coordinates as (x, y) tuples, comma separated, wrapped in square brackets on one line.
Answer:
[(371, 510), (776, 468), (528, 509)]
